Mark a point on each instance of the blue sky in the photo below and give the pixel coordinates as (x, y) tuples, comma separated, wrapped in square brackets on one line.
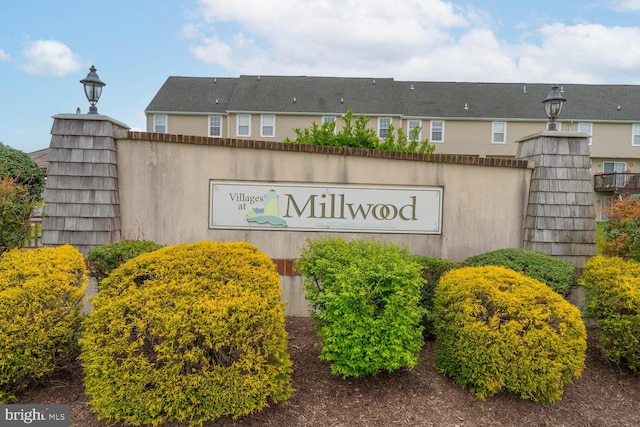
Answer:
[(47, 47)]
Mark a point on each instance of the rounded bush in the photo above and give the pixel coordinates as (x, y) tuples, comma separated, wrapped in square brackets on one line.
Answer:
[(498, 330), (557, 273), (41, 293), (191, 333), (104, 259), (613, 300), (365, 297), (433, 269)]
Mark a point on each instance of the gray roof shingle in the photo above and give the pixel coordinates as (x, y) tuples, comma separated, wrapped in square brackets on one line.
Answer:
[(385, 96)]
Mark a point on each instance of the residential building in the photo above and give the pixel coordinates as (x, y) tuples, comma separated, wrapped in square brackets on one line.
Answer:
[(481, 119)]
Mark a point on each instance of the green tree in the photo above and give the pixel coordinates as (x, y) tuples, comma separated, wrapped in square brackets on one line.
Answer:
[(18, 165), (355, 133), (21, 186)]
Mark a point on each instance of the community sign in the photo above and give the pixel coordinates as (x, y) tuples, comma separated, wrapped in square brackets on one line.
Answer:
[(318, 207)]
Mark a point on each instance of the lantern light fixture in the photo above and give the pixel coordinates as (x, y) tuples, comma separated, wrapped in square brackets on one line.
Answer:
[(92, 89), (553, 104)]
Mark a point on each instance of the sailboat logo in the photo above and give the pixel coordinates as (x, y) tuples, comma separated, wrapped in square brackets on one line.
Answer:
[(269, 213)]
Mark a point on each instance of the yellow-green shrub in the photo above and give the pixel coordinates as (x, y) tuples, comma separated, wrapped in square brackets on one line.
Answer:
[(498, 330), (191, 333), (613, 299), (365, 297), (41, 294)]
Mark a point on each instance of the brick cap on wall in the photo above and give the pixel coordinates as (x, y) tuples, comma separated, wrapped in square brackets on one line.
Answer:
[(322, 149)]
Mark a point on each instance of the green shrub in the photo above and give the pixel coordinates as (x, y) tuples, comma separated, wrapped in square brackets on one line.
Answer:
[(359, 135), (433, 269), (557, 273), (365, 297), (191, 333), (498, 330), (41, 294), (613, 299), (15, 212), (104, 259)]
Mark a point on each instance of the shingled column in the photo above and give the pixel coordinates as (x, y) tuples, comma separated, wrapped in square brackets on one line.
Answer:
[(82, 206), (560, 217)]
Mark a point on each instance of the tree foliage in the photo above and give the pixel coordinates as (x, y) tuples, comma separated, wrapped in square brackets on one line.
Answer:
[(622, 231), (355, 133), (21, 186), (18, 165)]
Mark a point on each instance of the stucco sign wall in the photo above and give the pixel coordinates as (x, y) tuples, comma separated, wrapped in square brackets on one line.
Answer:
[(339, 208)]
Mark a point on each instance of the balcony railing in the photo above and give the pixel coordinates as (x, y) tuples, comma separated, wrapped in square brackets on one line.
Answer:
[(617, 182), (35, 236)]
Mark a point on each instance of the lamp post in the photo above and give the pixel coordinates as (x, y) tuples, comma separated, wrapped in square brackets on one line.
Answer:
[(553, 106), (93, 89)]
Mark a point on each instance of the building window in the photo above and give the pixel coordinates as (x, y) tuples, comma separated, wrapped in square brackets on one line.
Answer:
[(383, 126), (636, 135), (616, 167), (414, 135), (160, 123), (268, 125), (244, 125), (586, 128), (437, 131), (215, 126), (499, 133), (330, 119), (558, 126)]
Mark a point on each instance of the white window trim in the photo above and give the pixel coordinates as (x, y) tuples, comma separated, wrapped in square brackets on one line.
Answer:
[(589, 132), (262, 125), (209, 127), (248, 116), (558, 126), (386, 129), (165, 124), (635, 131), (431, 131), (409, 129), (504, 133), (331, 119), (614, 163)]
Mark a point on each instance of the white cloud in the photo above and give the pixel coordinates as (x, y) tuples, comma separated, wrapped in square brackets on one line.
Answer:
[(627, 5), (587, 53), (412, 40), (49, 57), (4, 56)]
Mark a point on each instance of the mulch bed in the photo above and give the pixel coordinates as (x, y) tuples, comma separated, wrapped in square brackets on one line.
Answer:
[(605, 395)]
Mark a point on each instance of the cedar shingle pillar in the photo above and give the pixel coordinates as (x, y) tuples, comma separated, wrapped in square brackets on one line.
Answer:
[(560, 216), (81, 199)]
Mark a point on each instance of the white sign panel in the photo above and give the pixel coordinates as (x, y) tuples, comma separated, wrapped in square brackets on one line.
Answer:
[(346, 208)]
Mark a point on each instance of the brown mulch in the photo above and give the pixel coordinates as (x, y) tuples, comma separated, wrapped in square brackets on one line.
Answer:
[(604, 395)]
